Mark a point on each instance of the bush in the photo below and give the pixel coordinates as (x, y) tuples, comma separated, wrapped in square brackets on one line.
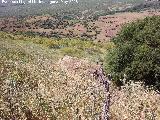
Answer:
[(137, 52)]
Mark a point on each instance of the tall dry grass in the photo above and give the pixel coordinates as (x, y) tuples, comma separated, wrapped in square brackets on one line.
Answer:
[(135, 102)]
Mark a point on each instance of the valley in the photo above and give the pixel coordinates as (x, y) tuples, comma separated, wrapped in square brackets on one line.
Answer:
[(101, 30)]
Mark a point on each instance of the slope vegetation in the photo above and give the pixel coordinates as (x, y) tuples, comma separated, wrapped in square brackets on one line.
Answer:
[(38, 83)]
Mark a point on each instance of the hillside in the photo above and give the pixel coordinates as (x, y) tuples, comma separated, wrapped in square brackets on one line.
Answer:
[(150, 4), (39, 81), (74, 8), (91, 60), (103, 29)]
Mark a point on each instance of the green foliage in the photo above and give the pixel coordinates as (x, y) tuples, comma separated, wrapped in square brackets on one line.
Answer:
[(72, 47), (137, 52)]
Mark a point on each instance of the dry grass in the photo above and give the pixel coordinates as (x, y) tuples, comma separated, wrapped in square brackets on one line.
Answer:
[(135, 102), (34, 85), (40, 83)]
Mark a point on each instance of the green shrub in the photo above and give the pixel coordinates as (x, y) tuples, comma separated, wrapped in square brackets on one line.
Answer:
[(72, 52), (137, 52)]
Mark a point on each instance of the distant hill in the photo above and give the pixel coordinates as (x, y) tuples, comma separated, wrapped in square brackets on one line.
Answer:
[(75, 8), (102, 29), (152, 4)]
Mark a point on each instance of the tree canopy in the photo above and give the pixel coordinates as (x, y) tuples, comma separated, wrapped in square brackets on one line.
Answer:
[(137, 52)]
